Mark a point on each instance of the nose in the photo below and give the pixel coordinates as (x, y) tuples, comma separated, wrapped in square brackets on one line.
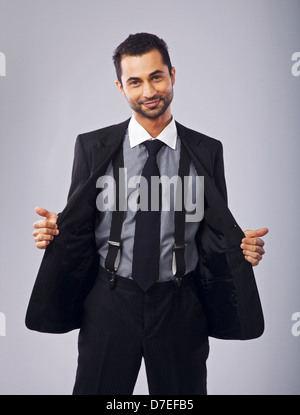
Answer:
[(149, 91)]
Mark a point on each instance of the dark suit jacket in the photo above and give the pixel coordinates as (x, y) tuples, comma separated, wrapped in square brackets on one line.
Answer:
[(227, 285)]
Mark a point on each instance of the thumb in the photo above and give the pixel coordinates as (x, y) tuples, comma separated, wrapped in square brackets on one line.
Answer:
[(256, 232), (45, 213)]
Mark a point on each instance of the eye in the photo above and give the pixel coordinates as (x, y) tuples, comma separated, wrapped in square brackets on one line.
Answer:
[(157, 78), (134, 83)]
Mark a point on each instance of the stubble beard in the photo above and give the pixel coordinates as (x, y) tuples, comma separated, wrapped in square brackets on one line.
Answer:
[(152, 113)]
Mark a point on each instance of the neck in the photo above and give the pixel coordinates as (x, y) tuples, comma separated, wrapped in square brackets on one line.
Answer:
[(156, 125)]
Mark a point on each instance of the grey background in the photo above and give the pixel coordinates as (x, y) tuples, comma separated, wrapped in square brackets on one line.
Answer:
[(234, 83)]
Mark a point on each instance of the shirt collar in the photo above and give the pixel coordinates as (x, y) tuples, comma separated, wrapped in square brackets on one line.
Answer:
[(138, 134)]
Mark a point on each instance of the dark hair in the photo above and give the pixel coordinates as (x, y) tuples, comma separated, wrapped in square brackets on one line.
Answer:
[(138, 44)]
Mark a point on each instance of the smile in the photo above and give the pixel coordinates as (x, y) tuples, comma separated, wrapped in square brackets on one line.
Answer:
[(152, 104)]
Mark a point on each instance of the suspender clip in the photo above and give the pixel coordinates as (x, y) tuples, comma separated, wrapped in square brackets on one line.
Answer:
[(113, 243), (178, 263), (112, 280), (181, 246), (113, 256)]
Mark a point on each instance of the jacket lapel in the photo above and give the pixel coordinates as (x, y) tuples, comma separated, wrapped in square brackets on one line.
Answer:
[(216, 212)]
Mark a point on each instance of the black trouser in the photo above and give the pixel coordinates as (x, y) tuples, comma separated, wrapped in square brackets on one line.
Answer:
[(166, 325)]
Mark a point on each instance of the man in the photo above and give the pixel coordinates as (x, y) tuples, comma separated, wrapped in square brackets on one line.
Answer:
[(131, 295)]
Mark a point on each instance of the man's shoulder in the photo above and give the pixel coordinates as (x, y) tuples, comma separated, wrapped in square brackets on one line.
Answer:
[(105, 131), (191, 135)]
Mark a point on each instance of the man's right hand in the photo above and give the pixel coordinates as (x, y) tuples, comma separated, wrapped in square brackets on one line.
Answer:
[(45, 229)]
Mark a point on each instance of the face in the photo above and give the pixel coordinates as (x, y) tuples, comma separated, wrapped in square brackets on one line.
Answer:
[(147, 84)]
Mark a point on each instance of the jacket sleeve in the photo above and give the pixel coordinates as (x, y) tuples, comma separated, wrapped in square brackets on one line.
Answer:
[(80, 171), (219, 174)]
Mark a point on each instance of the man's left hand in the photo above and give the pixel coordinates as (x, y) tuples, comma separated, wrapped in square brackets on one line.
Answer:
[(252, 245)]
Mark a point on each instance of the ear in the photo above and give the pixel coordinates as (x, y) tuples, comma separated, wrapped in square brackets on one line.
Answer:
[(120, 87), (173, 75)]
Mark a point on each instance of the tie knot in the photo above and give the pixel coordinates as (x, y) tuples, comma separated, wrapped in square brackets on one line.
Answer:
[(153, 146)]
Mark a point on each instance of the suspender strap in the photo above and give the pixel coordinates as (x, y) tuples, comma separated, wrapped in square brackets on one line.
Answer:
[(114, 244), (178, 262)]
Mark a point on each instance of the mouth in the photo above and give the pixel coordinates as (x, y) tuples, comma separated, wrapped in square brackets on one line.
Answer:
[(152, 104)]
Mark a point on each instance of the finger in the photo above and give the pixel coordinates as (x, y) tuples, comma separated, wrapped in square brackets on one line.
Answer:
[(45, 213), (44, 224), (40, 238), (254, 255), (253, 248), (253, 241), (252, 261), (42, 245), (46, 231), (256, 233)]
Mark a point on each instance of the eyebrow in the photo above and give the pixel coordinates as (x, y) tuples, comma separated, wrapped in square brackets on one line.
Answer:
[(133, 78)]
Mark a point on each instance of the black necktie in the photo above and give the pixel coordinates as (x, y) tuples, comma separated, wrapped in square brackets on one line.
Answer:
[(146, 250)]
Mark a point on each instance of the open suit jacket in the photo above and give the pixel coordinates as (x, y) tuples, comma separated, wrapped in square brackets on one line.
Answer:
[(226, 281)]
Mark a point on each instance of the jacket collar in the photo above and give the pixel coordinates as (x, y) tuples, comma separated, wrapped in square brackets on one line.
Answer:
[(194, 142), (191, 139), (115, 134)]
